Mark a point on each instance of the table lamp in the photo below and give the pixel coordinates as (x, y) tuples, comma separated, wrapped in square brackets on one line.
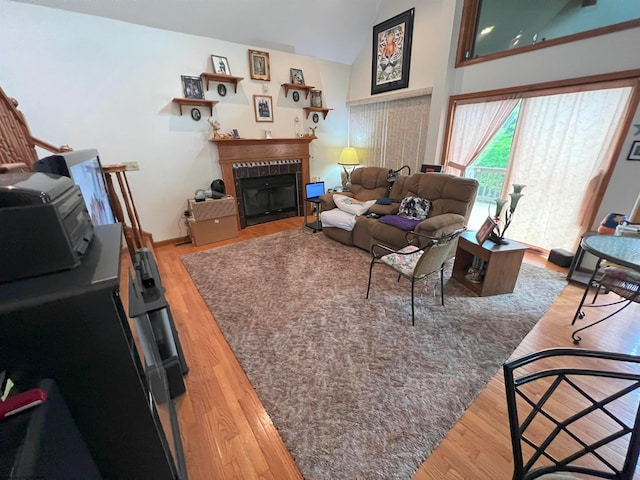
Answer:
[(348, 157)]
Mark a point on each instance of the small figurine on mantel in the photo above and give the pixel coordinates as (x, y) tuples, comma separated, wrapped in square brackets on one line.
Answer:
[(312, 134), (216, 130)]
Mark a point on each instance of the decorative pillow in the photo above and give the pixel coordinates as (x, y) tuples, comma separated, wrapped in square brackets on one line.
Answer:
[(414, 207), (399, 221), (338, 219), (351, 205)]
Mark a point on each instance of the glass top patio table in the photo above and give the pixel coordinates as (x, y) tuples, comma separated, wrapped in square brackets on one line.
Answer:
[(624, 251)]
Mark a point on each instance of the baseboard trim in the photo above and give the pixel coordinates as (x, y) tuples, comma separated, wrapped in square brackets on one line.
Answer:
[(172, 241)]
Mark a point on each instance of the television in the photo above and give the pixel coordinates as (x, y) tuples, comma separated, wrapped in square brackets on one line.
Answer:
[(84, 168)]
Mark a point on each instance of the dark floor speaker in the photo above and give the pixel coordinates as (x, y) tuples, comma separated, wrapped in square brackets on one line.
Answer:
[(561, 257)]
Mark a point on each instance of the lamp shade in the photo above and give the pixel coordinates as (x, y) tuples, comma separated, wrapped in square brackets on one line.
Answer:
[(349, 156)]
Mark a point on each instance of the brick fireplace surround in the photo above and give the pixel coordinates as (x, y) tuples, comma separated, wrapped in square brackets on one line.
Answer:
[(253, 158)]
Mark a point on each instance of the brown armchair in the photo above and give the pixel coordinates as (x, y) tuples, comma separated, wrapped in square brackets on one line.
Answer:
[(367, 183)]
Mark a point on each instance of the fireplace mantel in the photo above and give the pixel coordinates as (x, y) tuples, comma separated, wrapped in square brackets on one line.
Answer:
[(255, 150)]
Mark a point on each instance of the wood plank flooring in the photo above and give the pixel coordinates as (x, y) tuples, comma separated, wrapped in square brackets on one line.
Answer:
[(228, 435)]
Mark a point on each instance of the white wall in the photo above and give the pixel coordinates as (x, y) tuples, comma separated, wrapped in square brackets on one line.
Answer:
[(98, 83)]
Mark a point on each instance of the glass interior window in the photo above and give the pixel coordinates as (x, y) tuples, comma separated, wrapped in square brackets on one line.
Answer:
[(504, 25)]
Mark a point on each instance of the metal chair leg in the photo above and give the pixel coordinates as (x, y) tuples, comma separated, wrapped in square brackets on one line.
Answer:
[(373, 260), (442, 284), (413, 313)]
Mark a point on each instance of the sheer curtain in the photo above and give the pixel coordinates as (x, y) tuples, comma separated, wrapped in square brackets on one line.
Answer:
[(391, 134), (474, 125), (561, 148)]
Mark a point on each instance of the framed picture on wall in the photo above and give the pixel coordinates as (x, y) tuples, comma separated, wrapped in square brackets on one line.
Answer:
[(192, 87), (634, 153), (220, 65), (263, 107), (391, 55), (259, 65)]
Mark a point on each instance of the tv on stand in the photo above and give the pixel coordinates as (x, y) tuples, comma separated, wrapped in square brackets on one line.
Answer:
[(85, 169)]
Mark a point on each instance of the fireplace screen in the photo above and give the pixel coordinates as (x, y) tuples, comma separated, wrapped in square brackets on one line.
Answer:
[(269, 198)]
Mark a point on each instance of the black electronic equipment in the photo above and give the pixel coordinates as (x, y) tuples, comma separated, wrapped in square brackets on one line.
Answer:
[(201, 195), (85, 169), (45, 225), (218, 186)]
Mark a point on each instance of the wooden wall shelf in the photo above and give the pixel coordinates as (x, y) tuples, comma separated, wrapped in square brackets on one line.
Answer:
[(295, 86), (324, 111), (216, 77), (195, 102)]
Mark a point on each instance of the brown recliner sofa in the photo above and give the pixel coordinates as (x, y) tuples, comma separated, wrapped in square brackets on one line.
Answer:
[(451, 199)]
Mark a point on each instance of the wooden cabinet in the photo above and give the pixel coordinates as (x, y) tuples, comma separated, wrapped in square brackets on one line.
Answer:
[(501, 264), (71, 326)]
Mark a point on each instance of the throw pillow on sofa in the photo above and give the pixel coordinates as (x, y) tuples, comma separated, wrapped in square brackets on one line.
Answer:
[(414, 207), (351, 205), (404, 223)]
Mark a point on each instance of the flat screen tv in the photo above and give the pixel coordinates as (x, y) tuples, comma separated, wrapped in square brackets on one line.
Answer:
[(84, 168)]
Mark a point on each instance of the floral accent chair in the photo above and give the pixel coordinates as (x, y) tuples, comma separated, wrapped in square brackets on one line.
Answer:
[(416, 263)]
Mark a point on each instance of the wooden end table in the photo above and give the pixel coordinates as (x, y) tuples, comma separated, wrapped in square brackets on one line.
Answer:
[(502, 264)]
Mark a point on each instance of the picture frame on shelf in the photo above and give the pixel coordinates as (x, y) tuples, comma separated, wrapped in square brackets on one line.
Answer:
[(485, 230), (316, 98), (259, 67), (297, 77), (220, 65), (263, 106), (634, 153), (391, 54), (192, 87)]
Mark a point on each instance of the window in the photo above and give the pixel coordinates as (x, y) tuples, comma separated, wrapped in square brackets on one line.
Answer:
[(497, 28)]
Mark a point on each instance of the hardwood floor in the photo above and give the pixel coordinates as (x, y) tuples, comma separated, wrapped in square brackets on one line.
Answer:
[(227, 434)]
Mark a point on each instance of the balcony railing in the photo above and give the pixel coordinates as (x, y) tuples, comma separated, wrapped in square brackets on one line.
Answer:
[(490, 181)]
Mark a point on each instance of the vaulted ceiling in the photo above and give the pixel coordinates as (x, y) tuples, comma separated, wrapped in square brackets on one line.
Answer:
[(329, 29)]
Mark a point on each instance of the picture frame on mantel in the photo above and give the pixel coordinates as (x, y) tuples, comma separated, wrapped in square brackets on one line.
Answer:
[(259, 67), (391, 55)]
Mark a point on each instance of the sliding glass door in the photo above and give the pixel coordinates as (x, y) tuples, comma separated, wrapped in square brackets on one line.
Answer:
[(559, 145)]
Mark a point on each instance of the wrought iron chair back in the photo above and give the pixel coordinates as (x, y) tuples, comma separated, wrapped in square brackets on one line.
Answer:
[(582, 417)]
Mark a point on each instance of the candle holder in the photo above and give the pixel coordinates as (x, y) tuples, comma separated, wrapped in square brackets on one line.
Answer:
[(503, 221)]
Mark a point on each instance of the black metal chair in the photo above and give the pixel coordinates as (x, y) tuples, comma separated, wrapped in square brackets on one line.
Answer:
[(555, 396), (422, 257)]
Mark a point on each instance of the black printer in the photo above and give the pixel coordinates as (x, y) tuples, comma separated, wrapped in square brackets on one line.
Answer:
[(44, 225)]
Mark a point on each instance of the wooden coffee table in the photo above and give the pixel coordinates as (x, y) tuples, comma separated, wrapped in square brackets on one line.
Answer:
[(502, 264)]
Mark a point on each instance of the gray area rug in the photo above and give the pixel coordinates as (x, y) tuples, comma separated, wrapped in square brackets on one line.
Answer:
[(355, 391)]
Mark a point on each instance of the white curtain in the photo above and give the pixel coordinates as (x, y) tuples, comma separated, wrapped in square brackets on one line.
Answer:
[(391, 134), (560, 150), (474, 125)]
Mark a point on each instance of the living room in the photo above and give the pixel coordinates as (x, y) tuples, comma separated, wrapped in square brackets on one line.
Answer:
[(93, 82)]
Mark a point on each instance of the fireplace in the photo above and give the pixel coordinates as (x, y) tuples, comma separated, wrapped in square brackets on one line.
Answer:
[(265, 176), (269, 198)]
